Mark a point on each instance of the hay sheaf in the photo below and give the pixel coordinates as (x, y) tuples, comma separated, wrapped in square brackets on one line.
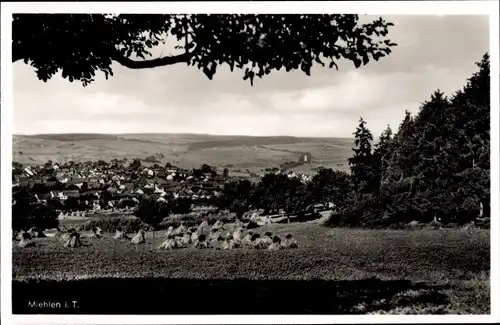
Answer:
[(73, 241), (140, 238)]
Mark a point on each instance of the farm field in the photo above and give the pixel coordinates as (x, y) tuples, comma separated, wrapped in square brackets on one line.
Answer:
[(184, 150), (333, 271)]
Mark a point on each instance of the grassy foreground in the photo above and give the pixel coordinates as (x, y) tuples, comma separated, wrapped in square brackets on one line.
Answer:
[(333, 271)]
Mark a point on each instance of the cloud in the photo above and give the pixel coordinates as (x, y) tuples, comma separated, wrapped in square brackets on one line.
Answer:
[(433, 52)]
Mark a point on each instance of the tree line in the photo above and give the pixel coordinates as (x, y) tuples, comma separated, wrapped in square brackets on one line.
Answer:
[(437, 165)]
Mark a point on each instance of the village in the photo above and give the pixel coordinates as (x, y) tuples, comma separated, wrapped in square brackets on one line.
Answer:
[(96, 186)]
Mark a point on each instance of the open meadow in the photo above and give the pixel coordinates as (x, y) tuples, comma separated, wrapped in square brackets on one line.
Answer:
[(343, 271), (185, 150)]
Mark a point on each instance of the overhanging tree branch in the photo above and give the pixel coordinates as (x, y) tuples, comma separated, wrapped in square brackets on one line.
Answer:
[(145, 64), (16, 55), (81, 45)]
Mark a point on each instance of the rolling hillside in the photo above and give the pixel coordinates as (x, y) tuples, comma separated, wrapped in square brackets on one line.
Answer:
[(185, 150)]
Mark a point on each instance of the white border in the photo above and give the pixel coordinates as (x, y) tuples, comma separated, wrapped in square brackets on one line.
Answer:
[(490, 8)]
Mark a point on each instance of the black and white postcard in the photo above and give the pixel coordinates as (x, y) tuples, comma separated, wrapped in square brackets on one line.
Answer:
[(333, 161)]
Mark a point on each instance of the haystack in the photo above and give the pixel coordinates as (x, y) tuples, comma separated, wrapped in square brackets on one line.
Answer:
[(225, 244), (140, 238), (248, 237), (26, 241), (64, 236), (289, 242), (214, 234), (169, 243), (201, 245), (180, 230), (254, 240), (202, 227), (238, 234), (186, 239), (204, 231), (264, 242), (96, 232), (229, 243), (238, 223), (255, 216), (73, 241), (217, 225), (263, 221), (58, 233), (194, 237), (120, 234), (435, 224), (470, 225), (170, 231), (414, 224), (37, 233), (247, 240), (201, 242), (276, 244)]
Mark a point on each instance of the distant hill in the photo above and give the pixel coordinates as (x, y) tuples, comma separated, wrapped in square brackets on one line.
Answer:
[(186, 150)]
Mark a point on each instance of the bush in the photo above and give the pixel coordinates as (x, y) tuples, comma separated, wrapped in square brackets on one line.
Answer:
[(193, 219), (151, 159), (152, 212), (181, 205), (43, 217), (129, 225)]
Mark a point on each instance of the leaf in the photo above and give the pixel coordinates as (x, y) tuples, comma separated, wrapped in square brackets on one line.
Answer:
[(208, 73), (251, 74), (365, 58), (317, 59), (357, 62)]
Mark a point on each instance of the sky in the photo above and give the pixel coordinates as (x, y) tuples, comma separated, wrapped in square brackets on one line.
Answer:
[(433, 52)]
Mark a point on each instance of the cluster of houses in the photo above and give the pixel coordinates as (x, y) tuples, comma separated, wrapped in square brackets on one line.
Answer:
[(93, 183)]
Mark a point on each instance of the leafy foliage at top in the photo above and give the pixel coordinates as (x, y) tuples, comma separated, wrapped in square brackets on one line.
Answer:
[(81, 44)]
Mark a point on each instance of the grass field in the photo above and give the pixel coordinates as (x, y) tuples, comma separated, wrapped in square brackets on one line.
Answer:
[(333, 271), (185, 150)]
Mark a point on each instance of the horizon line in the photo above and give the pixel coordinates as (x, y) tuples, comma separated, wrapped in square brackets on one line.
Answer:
[(180, 133)]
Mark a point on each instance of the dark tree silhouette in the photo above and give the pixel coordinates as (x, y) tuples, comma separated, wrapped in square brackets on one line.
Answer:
[(71, 204), (135, 164), (362, 162), (43, 217), (181, 205), (206, 169), (81, 44), (330, 186), (236, 196), (21, 208), (437, 165), (152, 212), (381, 152)]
